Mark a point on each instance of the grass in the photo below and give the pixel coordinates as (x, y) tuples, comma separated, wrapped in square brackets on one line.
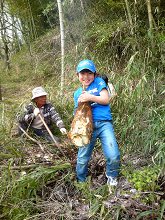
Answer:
[(138, 114)]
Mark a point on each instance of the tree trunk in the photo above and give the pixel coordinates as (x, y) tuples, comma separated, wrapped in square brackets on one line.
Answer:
[(31, 25), (62, 43), (16, 41), (82, 5), (0, 92), (4, 35), (129, 16), (149, 16)]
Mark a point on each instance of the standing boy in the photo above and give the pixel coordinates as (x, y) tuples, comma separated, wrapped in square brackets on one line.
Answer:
[(31, 118), (96, 93)]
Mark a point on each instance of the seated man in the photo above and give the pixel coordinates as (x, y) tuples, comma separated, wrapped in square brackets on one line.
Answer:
[(38, 110)]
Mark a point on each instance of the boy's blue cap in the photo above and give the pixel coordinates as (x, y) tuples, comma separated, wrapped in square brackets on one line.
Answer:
[(86, 64)]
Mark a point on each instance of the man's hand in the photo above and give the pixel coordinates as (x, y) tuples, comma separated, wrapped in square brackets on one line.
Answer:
[(36, 112), (63, 131)]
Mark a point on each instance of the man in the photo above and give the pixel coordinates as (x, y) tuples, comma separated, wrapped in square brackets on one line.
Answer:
[(36, 111)]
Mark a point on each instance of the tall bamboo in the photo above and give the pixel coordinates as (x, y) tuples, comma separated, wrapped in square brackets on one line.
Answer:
[(129, 16), (148, 2), (62, 43), (4, 35), (0, 91), (82, 5)]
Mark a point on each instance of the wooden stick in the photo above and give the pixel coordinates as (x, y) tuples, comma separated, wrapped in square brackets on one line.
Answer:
[(32, 139), (50, 133)]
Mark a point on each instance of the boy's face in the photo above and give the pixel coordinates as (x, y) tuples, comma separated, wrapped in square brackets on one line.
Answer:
[(40, 101), (86, 78)]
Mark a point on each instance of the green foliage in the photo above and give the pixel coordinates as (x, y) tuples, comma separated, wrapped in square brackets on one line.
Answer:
[(160, 155), (152, 214), (35, 16), (145, 179), (134, 62), (162, 209), (19, 198), (140, 121), (95, 198)]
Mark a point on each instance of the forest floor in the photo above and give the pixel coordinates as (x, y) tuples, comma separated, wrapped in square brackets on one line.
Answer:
[(73, 200), (94, 200)]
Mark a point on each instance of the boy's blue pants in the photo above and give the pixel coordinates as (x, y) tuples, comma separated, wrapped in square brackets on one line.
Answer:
[(105, 132)]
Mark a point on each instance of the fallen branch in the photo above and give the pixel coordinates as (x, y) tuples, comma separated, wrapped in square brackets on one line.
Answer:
[(25, 167), (60, 166), (32, 139), (140, 206), (150, 192)]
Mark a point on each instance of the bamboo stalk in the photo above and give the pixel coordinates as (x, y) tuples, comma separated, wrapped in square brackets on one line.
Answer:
[(149, 15), (62, 43), (129, 16)]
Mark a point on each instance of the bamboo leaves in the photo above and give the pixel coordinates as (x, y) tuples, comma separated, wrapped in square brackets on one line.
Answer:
[(21, 193)]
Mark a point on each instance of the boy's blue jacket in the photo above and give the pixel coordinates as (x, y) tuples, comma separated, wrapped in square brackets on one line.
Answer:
[(99, 112)]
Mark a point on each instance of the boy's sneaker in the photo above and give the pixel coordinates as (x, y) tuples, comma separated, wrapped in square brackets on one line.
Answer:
[(111, 181)]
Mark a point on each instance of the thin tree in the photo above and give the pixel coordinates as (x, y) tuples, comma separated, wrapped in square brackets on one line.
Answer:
[(82, 5), (0, 91), (129, 16), (16, 40), (62, 43), (4, 34), (148, 2), (151, 21)]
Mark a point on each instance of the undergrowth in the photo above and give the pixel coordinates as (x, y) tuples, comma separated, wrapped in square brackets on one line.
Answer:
[(138, 113)]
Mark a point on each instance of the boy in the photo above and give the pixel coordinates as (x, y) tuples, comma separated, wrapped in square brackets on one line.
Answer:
[(96, 93), (40, 107)]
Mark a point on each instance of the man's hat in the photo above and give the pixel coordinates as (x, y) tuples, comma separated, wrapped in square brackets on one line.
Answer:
[(37, 92)]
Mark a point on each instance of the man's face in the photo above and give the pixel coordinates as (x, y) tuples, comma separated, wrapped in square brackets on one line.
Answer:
[(40, 101), (86, 78)]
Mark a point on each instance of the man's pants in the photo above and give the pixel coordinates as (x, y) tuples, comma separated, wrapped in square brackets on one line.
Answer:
[(39, 132)]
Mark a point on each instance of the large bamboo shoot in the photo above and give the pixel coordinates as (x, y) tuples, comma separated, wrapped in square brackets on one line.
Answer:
[(82, 125)]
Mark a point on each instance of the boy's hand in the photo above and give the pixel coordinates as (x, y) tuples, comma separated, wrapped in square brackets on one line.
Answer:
[(102, 99), (85, 97), (36, 111)]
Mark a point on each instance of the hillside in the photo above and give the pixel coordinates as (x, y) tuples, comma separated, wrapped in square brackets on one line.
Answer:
[(59, 194), (38, 179)]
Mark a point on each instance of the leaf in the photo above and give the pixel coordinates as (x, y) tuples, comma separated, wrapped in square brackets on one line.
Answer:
[(162, 210), (142, 214)]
